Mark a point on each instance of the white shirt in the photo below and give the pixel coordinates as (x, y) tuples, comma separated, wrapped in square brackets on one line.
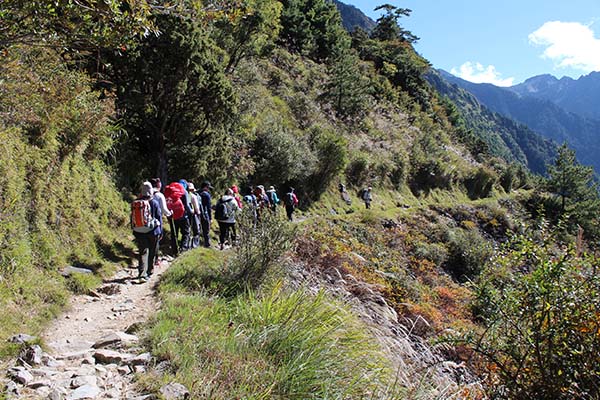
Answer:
[(163, 203)]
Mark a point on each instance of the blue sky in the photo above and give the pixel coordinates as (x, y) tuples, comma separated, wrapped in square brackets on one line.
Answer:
[(504, 42)]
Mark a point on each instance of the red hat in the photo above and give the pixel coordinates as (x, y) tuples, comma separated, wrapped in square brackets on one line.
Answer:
[(234, 189)]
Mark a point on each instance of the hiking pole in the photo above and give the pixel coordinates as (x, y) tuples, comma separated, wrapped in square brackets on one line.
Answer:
[(174, 246)]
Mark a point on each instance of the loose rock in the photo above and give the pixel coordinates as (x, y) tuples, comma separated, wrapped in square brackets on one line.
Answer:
[(142, 359), (116, 338), (84, 380), (32, 355), (11, 389), (22, 338), (127, 305), (20, 375), (70, 270), (84, 392), (105, 356), (175, 391)]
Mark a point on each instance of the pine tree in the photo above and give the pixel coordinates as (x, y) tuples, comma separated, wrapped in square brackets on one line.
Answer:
[(572, 182), (347, 88), (574, 186)]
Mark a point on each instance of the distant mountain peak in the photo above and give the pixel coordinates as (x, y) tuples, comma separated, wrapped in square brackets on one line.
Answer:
[(352, 17)]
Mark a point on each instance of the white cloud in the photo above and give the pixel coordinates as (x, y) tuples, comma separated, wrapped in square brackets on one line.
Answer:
[(477, 73), (569, 45)]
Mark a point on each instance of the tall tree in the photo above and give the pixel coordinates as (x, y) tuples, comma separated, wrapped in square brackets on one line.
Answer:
[(312, 27), (574, 186), (570, 181), (252, 35), (388, 27), (173, 98), (346, 88)]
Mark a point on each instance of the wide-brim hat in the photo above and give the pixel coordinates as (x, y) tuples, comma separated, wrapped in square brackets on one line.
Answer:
[(191, 187), (146, 190)]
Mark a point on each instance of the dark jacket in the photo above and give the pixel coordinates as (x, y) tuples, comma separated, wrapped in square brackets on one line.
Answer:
[(206, 205)]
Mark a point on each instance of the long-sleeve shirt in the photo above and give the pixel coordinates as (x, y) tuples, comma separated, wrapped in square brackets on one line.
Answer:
[(162, 201), (157, 214), (231, 205), (185, 199), (196, 206), (206, 205)]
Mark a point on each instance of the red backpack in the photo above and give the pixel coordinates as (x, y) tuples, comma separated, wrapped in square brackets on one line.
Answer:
[(141, 216)]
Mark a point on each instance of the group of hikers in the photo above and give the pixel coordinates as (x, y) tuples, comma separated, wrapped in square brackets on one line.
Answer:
[(364, 194), (190, 214)]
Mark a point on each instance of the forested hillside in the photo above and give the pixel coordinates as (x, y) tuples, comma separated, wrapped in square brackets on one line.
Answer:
[(542, 116), (579, 96), (499, 135), (469, 276)]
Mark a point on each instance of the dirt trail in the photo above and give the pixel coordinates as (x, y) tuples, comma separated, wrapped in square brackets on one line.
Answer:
[(87, 353)]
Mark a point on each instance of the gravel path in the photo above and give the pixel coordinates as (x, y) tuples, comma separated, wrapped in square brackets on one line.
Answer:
[(91, 351)]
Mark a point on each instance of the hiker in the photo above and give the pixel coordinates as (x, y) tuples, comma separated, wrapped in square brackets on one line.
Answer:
[(291, 202), (273, 199), (185, 222), (344, 194), (225, 211), (206, 216), (261, 197), (164, 211), (236, 195), (367, 197), (262, 201), (174, 193), (146, 224), (250, 200), (195, 216)]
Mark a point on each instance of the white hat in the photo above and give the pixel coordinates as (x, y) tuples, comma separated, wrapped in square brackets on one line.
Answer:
[(147, 189)]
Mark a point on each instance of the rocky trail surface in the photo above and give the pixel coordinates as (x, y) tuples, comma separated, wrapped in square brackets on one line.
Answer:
[(91, 351)]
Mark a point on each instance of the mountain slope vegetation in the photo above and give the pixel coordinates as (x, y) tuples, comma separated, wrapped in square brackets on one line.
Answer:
[(348, 302), (542, 116), (502, 136), (578, 96)]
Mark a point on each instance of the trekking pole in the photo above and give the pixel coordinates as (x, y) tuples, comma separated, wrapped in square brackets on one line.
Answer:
[(174, 246)]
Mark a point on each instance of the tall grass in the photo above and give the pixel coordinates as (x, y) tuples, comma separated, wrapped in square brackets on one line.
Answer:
[(58, 204), (280, 344)]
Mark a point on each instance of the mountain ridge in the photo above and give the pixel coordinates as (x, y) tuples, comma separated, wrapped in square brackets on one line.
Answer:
[(579, 96), (542, 116)]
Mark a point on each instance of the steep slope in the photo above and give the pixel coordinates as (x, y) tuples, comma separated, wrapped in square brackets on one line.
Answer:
[(579, 96), (542, 116), (504, 137), (353, 18)]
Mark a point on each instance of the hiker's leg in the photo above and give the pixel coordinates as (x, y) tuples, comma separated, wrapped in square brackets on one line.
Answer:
[(222, 233), (185, 233), (233, 234), (152, 240), (195, 231), (206, 232), (144, 253)]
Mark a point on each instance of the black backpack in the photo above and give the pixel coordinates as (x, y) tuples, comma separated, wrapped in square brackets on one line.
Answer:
[(289, 199), (222, 211)]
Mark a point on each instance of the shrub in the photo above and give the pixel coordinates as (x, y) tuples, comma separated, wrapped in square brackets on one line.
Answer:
[(358, 170), (434, 252), (539, 305), (261, 245), (468, 252), (332, 158), (281, 154), (480, 182)]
